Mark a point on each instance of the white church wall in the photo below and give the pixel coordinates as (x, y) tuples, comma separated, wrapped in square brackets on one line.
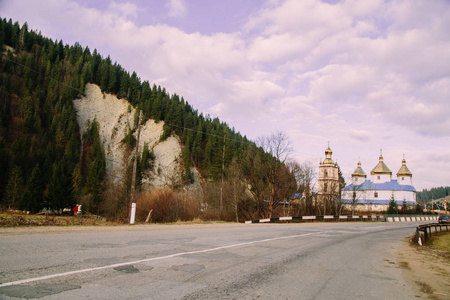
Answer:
[(404, 180), (380, 178)]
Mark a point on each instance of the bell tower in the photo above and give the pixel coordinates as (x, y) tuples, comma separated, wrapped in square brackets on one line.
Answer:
[(328, 183)]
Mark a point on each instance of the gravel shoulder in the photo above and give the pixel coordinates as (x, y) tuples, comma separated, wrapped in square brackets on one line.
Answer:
[(427, 268)]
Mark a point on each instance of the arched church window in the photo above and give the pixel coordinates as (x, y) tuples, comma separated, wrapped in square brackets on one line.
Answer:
[(325, 187), (326, 174)]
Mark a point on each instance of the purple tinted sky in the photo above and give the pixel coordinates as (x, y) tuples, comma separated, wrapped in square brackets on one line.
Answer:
[(363, 75), (206, 17)]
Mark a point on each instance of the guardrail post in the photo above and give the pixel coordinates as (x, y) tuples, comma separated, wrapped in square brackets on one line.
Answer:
[(419, 240)]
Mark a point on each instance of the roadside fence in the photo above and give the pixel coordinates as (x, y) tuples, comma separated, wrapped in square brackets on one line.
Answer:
[(427, 229), (371, 218)]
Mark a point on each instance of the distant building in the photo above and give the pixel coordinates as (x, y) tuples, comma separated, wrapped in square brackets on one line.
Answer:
[(328, 183), (374, 194)]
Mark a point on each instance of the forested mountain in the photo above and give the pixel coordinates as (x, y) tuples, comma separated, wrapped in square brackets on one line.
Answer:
[(41, 162), (434, 193)]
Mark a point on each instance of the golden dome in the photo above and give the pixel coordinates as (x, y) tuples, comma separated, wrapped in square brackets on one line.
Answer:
[(404, 171), (328, 160), (381, 168), (359, 172)]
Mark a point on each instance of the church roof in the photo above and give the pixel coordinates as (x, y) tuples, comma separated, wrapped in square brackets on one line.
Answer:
[(359, 172), (381, 168), (328, 160), (368, 185), (404, 171)]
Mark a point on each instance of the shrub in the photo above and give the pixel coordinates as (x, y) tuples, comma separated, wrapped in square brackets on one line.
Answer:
[(166, 206)]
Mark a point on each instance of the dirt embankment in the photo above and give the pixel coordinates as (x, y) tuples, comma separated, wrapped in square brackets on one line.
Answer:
[(427, 267)]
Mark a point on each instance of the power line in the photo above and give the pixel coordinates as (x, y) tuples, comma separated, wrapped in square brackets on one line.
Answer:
[(51, 78), (243, 140), (211, 134)]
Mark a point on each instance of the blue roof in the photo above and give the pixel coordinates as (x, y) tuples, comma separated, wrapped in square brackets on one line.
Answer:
[(368, 185), (372, 201), (297, 196)]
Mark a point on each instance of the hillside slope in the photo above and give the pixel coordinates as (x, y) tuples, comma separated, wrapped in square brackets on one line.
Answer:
[(114, 116)]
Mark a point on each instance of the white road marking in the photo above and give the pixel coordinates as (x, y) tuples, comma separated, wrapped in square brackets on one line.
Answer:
[(18, 282)]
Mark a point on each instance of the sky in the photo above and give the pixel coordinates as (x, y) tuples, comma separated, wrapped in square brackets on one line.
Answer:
[(364, 76)]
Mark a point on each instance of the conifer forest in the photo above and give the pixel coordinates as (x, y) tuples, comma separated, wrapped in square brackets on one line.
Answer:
[(47, 165)]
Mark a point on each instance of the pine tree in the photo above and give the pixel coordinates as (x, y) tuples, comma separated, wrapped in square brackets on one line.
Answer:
[(103, 74), (157, 108), (4, 165), (76, 179), (2, 34), (135, 89), (60, 191), (393, 207), (147, 158), (14, 188), (33, 197), (124, 85), (112, 85), (197, 152), (187, 162), (96, 164)]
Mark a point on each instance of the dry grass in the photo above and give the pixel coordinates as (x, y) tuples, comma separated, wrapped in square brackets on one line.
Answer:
[(166, 206), (19, 220), (441, 242)]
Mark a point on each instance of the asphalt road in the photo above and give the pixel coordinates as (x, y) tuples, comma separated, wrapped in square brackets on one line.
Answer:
[(251, 261)]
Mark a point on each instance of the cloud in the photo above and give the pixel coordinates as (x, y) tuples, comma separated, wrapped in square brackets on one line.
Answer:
[(390, 66), (359, 135), (251, 99), (123, 9), (354, 72), (299, 104), (177, 8), (341, 82), (304, 15)]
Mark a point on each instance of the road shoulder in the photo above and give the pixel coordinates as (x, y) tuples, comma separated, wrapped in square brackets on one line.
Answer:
[(427, 270)]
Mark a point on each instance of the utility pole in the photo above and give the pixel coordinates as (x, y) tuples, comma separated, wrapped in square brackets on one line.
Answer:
[(235, 201), (133, 178), (223, 167)]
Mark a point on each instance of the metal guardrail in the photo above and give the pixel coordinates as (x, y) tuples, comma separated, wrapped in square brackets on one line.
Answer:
[(426, 229), (378, 218)]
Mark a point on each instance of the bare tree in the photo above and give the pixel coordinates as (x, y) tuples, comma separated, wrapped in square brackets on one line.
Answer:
[(234, 192), (305, 176), (251, 168), (330, 200), (357, 192), (277, 148)]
